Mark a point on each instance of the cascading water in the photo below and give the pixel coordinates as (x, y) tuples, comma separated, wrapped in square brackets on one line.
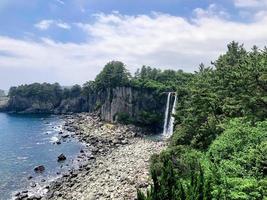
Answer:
[(165, 128), (168, 124), (171, 123)]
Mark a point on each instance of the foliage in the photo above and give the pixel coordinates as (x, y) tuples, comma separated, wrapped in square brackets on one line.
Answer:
[(167, 185), (37, 91), (156, 79), (235, 88), (124, 118), (73, 92), (113, 75), (221, 124), (239, 153)]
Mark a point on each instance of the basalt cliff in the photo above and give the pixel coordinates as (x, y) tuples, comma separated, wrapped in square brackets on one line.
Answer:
[(128, 104)]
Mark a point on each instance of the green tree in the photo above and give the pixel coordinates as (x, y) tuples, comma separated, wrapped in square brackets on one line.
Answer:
[(113, 75)]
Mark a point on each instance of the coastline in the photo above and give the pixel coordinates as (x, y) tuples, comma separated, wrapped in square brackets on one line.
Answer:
[(113, 164)]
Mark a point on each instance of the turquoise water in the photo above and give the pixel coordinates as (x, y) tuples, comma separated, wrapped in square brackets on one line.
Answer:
[(25, 142)]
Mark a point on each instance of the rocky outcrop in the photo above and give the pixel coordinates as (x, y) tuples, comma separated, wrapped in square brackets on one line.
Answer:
[(72, 105), (3, 103), (118, 100), (20, 104), (138, 105), (30, 105)]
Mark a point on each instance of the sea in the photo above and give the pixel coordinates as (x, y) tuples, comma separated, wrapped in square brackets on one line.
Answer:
[(27, 141)]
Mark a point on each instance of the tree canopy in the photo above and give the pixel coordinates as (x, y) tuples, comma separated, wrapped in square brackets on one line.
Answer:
[(114, 74), (218, 149)]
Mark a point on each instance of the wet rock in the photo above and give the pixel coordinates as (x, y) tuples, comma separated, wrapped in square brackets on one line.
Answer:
[(61, 158), (34, 197), (39, 169), (32, 184), (65, 136), (23, 196), (17, 194), (70, 129)]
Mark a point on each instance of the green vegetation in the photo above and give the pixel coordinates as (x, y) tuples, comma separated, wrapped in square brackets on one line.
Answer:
[(151, 82), (148, 86), (40, 92), (219, 147), (113, 75), (161, 81)]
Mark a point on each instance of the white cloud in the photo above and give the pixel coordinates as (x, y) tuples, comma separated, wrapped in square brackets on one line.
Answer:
[(250, 3), (158, 40), (46, 24), (61, 2), (63, 25), (213, 10)]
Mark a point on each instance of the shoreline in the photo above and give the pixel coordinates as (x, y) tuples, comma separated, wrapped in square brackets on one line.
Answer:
[(113, 164)]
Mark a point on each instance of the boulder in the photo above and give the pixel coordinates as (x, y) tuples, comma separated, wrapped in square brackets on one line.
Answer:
[(32, 184), (39, 169), (61, 157)]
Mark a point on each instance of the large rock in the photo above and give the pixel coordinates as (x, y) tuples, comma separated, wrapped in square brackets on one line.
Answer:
[(61, 157), (39, 169)]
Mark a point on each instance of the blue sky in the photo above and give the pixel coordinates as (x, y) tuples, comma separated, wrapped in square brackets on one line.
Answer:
[(18, 16), (69, 41)]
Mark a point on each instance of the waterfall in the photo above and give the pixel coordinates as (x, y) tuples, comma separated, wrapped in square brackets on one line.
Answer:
[(165, 127), (168, 124), (171, 123)]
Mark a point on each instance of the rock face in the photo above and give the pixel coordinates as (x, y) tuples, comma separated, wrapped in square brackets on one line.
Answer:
[(134, 103), (30, 105), (72, 105), (110, 103), (3, 103)]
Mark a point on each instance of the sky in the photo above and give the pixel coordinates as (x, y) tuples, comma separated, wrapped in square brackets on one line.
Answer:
[(70, 41)]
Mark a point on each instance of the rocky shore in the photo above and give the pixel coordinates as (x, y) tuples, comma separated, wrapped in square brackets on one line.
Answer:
[(113, 164)]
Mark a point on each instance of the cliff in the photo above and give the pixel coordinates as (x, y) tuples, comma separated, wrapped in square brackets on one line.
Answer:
[(3, 103), (128, 102), (124, 104), (129, 105)]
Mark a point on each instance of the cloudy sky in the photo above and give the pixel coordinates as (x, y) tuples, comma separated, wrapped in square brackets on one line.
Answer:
[(69, 41)]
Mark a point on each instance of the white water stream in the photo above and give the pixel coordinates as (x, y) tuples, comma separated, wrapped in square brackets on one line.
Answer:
[(169, 118)]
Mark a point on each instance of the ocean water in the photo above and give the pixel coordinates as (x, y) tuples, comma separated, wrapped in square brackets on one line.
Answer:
[(26, 141)]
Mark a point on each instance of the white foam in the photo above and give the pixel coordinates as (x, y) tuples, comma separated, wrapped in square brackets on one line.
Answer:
[(22, 157), (54, 139)]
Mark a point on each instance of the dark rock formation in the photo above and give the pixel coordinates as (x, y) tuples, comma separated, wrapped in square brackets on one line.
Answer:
[(3, 103), (39, 169), (61, 157), (72, 105), (139, 106), (134, 105)]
